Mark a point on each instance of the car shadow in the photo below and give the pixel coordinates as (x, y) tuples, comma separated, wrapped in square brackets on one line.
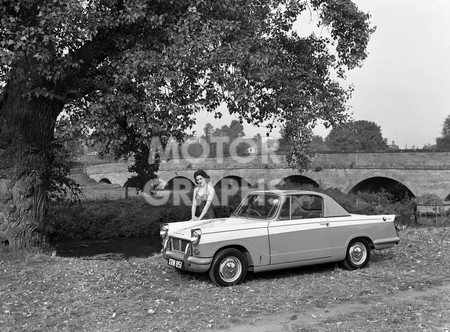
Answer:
[(261, 276), (291, 272), (377, 258), (380, 257)]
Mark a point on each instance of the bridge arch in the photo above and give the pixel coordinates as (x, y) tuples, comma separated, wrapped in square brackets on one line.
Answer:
[(179, 183), (377, 184), (105, 180), (230, 182), (231, 189), (296, 181)]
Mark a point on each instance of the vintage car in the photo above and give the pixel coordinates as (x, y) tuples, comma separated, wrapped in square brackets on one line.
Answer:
[(276, 229)]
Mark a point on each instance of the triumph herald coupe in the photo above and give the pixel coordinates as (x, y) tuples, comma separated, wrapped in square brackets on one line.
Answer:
[(273, 230)]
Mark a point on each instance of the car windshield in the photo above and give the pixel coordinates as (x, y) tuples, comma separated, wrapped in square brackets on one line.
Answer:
[(259, 206)]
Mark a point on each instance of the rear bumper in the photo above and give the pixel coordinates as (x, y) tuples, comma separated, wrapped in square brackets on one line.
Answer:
[(386, 243)]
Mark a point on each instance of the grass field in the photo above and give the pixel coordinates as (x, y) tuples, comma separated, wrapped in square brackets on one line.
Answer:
[(405, 288)]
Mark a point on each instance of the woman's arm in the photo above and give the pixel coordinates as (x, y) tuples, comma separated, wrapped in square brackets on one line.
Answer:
[(194, 203), (211, 194)]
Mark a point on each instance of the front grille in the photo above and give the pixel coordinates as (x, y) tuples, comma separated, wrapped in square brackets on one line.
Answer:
[(178, 244)]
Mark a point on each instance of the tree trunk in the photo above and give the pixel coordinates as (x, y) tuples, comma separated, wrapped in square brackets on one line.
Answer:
[(26, 133)]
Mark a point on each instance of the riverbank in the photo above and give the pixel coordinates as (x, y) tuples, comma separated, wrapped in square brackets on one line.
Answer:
[(137, 217), (50, 293), (106, 219), (124, 247)]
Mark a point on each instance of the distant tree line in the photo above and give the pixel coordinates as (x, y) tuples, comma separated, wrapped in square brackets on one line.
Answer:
[(443, 142), (356, 136), (366, 136)]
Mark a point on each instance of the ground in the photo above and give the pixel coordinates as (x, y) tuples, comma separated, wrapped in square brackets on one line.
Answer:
[(307, 320), (404, 288)]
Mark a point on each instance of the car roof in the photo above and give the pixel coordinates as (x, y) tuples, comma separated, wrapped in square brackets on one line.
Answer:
[(289, 191), (331, 207), (286, 192)]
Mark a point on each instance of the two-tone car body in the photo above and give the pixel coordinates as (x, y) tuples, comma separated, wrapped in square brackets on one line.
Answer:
[(276, 229)]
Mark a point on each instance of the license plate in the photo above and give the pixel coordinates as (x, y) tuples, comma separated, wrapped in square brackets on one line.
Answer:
[(175, 263)]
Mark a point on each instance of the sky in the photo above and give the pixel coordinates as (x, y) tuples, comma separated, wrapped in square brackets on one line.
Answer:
[(404, 84)]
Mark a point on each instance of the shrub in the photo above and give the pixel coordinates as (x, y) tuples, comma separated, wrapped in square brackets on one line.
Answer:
[(371, 203), (375, 203), (103, 219), (170, 214), (135, 217)]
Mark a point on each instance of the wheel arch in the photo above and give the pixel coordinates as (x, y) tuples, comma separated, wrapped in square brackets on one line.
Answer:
[(364, 237), (239, 247)]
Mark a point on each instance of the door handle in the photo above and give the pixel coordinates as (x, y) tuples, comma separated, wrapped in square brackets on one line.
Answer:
[(324, 223)]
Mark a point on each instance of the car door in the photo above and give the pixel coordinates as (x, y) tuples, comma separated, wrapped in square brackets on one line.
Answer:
[(301, 232)]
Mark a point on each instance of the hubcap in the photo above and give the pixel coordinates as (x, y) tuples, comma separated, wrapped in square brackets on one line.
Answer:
[(358, 253), (230, 269)]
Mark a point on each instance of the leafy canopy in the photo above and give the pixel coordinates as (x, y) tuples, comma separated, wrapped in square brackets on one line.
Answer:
[(234, 130), (126, 71), (362, 136)]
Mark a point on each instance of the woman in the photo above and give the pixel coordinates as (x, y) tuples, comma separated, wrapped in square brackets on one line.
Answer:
[(203, 196)]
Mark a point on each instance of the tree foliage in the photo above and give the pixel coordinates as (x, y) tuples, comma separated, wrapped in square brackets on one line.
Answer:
[(318, 144), (443, 142), (208, 131), (126, 71), (358, 136), (228, 134), (234, 130), (132, 66)]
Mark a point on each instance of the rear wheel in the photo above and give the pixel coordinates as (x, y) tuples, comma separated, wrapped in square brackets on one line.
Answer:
[(229, 267), (358, 254)]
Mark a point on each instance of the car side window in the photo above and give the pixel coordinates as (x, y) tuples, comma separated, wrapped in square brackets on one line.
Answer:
[(259, 206), (306, 206), (285, 210)]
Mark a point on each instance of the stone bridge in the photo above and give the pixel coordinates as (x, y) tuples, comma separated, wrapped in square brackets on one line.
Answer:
[(414, 173)]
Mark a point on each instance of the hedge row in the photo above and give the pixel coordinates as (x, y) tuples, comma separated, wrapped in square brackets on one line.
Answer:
[(135, 217)]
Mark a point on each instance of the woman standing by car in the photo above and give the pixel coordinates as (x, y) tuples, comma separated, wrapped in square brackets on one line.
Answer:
[(202, 197)]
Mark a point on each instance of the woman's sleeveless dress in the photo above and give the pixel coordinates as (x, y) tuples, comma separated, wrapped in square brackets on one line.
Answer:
[(201, 202)]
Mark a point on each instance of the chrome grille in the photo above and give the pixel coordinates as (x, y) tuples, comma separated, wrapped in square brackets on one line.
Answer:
[(178, 244)]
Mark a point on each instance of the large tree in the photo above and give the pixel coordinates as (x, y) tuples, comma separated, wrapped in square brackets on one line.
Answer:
[(126, 71), (357, 136)]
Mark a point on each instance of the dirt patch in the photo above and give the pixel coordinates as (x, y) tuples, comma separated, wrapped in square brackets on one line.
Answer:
[(307, 320)]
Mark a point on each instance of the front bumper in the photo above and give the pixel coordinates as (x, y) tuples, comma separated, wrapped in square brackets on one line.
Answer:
[(190, 263)]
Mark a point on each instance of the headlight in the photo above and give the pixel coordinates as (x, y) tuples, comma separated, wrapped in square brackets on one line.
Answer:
[(164, 229), (195, 236)]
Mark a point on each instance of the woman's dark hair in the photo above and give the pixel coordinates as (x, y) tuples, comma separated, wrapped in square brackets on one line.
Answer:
[(202, 173)]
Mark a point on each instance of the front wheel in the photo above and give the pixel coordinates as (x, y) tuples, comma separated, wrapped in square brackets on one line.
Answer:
[(358, 254), (229, 267)]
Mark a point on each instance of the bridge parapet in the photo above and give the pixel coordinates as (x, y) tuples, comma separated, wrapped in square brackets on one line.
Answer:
[(382, 160), (253, 161), (421, 172)]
